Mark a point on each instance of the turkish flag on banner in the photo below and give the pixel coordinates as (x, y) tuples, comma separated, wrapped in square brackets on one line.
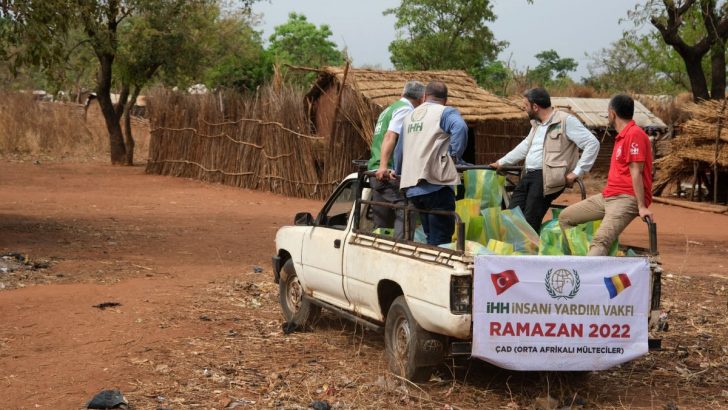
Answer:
[(504, 280)]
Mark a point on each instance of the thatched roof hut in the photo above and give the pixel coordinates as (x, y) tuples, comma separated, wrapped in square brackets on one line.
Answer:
[(496, 124), (592, 112)]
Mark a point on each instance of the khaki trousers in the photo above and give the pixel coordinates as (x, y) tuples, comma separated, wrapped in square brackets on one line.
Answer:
[(616, 213)]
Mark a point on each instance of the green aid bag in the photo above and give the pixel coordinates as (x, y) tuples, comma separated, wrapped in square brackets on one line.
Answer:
[(500, 248), (471, 248), (475, 230), (466, 209), (485, 186), (579, 237), (491, 223), (551, 239), (419, 235), (577, 240), (518, 232), (384, 231)]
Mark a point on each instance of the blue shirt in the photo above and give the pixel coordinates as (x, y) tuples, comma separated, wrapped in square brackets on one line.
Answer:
[(452, 123)]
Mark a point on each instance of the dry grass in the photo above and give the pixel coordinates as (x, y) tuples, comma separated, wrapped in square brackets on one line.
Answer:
[(696, 145), (249, 361), (58, 131)]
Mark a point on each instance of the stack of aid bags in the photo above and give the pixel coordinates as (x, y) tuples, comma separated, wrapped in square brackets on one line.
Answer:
[(492, 230), (502, 232), (575, 241)]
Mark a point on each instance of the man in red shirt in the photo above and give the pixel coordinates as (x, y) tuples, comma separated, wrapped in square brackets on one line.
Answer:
[(628, 192)]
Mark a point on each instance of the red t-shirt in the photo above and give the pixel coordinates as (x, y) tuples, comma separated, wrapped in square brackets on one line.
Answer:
[(631, 145)]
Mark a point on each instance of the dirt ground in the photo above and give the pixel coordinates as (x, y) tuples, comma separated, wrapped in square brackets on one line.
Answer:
[(198, 322)]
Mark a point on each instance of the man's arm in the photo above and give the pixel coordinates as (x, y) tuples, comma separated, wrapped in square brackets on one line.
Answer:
[(635, 171), (453, 124), (388, 143), (587, 142), (516, 155), (390, 140)]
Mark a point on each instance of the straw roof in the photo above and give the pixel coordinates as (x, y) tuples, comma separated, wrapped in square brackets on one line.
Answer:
[(696, 144), (382, 88), (592, 112)]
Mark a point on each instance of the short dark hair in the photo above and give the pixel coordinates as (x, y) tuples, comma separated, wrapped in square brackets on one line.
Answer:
[(623, 106), (436, 89), (538, 96)]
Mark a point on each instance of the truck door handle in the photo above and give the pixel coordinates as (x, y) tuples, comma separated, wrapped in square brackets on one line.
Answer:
[(337, 243)]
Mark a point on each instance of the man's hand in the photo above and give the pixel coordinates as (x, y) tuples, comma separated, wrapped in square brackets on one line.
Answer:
[(382, 174), (570, 179), (494, 165), (645, 213)]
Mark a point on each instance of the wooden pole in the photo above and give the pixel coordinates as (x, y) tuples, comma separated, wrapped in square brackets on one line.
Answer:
[(717, 151), (338, 99)]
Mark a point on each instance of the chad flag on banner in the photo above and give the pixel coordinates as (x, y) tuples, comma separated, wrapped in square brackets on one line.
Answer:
[(504, 280), (616, 284)]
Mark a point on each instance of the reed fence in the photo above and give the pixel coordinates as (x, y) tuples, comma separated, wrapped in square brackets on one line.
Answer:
[(262, 141)]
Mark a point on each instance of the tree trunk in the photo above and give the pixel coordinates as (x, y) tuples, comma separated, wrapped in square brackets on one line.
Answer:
[(128, 137), (698, 83), (717, 70), (117, 150)]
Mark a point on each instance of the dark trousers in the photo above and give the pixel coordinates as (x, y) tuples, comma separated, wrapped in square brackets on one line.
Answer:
[(528, 195), (438, 228), (385, 217)]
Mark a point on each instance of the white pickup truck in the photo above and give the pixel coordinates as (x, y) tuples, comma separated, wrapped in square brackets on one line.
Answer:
[(420, 295)]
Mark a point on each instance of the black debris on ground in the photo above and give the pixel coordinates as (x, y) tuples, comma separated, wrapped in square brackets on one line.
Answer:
[(105, 305)]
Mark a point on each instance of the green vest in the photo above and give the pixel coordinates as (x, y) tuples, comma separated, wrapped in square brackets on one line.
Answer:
[(379, 130)]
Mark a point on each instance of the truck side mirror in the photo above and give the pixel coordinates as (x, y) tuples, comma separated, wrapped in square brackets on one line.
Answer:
[(303, 218)]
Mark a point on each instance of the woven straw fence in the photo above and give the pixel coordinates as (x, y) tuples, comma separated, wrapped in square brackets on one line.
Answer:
[(260, 142)]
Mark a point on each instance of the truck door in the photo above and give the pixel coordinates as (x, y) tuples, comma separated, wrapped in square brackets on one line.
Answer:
[(323, 247)]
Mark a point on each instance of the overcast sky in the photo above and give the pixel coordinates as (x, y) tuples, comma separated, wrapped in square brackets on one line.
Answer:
[(571, 27)]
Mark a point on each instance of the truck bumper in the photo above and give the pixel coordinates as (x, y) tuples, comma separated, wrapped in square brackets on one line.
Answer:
[(277, 265)]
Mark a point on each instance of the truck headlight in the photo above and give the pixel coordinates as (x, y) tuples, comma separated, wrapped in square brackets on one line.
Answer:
[(460, 294)]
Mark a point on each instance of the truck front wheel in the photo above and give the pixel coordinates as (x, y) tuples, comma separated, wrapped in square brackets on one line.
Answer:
[(296, 309), (412, 352)]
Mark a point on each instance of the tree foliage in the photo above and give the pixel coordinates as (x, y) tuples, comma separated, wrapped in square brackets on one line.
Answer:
[(551, 67), (300, 42), (697, 30), (237, 59), (444, 34), (637, 63), (131, 43)]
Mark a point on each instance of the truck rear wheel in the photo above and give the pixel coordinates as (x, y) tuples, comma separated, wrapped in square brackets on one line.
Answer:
[(296, 309), (412, 352)]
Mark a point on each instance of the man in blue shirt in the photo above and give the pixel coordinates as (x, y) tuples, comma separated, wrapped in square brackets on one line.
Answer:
[(433, 140)]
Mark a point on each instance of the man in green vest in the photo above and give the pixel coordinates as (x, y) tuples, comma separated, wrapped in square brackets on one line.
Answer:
[(389, 127)]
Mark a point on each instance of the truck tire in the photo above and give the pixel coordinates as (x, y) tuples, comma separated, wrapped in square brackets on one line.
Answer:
[(411, 351), (296, 309)]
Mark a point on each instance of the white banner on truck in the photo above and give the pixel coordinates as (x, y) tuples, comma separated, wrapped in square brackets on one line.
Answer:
[(560, 312)]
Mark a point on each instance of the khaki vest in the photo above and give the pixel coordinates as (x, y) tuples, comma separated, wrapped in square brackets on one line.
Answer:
[(560, 154), (425, 153)]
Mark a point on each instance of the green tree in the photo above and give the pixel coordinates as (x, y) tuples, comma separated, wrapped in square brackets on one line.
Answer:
[(551, 67), (637, 63), (494, 75), (237, 58), (300, 42), (444, 34), (131, 40), (697, 30)]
